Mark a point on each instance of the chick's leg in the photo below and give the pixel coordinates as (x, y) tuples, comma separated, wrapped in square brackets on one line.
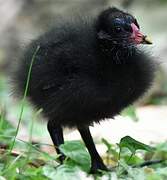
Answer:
[(96, 161), (56, 133)]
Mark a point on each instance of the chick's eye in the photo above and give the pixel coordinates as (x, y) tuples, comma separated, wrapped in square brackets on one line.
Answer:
[(118, 29)]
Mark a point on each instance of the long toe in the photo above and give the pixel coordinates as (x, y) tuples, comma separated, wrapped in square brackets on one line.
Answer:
[(62, 158), (96, 166)]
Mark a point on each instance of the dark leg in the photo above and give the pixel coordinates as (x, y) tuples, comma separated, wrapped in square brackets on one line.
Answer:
[(96, 161), (56, 134)]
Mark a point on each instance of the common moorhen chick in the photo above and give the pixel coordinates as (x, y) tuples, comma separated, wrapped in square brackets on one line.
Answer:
[(86, 70)]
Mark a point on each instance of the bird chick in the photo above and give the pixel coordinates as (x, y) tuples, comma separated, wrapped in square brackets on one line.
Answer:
[(85, 71)]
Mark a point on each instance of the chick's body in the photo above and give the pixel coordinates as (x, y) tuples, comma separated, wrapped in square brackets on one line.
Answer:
[(78, 81), (86, 70)]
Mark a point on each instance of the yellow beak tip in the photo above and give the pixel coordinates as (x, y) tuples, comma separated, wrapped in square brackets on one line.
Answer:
[(147, 40)]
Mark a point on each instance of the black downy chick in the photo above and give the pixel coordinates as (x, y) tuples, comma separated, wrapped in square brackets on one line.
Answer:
[(85, 71)]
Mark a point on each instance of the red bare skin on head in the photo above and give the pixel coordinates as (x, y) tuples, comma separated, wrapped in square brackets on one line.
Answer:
[(137, 36)]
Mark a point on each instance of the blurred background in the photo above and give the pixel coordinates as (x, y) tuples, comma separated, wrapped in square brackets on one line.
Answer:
[(24, 20)]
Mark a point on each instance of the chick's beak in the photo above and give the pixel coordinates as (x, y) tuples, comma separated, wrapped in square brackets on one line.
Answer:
[(146, 40), (138, 37)]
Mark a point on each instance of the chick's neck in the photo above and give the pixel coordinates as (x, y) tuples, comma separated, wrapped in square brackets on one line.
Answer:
[(117, 54)]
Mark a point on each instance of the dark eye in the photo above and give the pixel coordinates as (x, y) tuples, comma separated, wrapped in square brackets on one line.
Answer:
[(118, 29)]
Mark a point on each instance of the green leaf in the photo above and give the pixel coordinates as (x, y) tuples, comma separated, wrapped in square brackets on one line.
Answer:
[(110, 149), (133, 145), (131, 112), (76, 151), (162, 147), (32, 174), (63, 172), (108, 145)]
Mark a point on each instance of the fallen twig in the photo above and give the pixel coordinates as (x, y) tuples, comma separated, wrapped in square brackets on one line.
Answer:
[(149, 163)]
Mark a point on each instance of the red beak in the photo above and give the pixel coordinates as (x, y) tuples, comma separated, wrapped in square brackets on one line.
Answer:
[(138, 37)]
